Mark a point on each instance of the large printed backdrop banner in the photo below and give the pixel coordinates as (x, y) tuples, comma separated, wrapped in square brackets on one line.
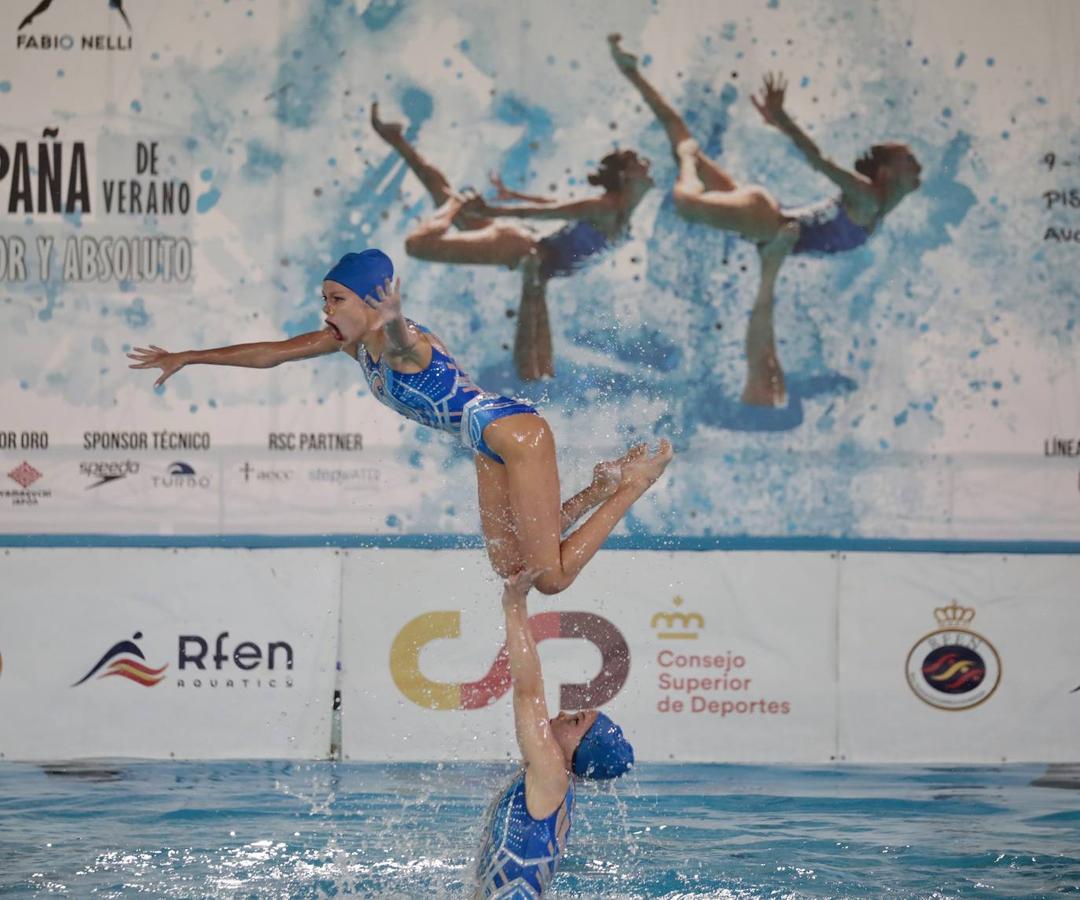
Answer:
[(198, 654), (183, 174)]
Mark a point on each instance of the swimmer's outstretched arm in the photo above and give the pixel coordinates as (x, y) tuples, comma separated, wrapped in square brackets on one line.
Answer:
[(261, 355), (590, 208), (771, 106), (505, 193), (546, 779)]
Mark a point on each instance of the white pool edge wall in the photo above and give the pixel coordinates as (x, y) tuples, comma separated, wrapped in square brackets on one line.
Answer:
[(759, 656)]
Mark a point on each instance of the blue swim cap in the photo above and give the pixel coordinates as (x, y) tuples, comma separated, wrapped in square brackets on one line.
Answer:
[(603, 751), (362, 272)]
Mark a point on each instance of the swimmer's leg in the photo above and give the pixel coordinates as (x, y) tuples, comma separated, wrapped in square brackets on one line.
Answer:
[(496, 517), (533, 353), (764, 377), (430, 176), (604, 483), (711, 174), (751, 212), (498, 243), (528, 448)]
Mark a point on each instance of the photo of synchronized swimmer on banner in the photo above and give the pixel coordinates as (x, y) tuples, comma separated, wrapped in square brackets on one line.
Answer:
[(410, 370), (526, 827), (484, 236), (707, 194)]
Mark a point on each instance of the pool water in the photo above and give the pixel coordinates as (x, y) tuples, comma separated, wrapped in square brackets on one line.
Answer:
[(271, 829)]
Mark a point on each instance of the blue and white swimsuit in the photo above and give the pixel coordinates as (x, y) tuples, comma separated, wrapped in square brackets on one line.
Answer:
[(825, 227), (519, 854), (441, 396)]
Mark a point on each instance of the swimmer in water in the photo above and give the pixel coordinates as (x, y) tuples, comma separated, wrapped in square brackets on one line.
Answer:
[(527, 824), (410, 370), (484, 236), (705, 193)]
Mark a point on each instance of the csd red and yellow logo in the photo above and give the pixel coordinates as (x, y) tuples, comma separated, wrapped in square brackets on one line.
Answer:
[(434, 626)]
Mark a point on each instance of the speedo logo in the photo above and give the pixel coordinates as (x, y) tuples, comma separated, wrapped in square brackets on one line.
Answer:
[(106, 472), (433, 626)]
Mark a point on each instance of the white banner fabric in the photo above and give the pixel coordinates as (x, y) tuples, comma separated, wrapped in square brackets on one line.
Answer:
[(197, 654), (700, 656), (959, 658)]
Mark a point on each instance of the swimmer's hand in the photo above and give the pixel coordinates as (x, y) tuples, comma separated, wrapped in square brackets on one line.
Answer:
[(771, 102), (626, 62), (403, 338), (472, 204), (388, 304), (155, 358), (516, 588), (502, 192)]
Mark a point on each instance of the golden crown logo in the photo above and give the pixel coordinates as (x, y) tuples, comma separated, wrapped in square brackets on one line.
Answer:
[(954, 615), (686, 620)]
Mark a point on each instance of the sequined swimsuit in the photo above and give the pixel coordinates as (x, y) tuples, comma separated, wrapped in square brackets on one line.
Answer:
[(441, 396), (520, 854)]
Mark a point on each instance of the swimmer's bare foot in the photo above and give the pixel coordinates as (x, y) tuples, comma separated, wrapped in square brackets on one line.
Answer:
[(391, 132), (772, 254), (642, 469), (626, 62), (608, 474)]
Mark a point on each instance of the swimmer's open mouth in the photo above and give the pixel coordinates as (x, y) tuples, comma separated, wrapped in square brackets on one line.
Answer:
[(335, 330)]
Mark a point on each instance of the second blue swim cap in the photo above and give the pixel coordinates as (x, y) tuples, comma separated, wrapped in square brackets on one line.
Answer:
[(603, 751), (362, 272)]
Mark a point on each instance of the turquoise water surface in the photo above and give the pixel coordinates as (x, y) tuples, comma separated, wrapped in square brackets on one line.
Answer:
[(272, 829)]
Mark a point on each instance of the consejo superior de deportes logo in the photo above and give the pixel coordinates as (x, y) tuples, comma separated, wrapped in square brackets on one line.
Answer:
[(405, 661)]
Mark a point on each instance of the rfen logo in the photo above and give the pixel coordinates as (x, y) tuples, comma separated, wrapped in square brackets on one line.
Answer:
[(117, 660)]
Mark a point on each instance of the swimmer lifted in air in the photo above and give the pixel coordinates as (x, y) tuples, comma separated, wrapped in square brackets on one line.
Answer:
[(528, 823), (484, 236), (706, 193), (411, 371)]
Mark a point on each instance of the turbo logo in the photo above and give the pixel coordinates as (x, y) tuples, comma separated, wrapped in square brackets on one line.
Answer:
[(405, 661), (117, 661)]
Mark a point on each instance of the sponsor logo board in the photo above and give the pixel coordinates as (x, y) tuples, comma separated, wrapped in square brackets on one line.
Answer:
[(953, 668)]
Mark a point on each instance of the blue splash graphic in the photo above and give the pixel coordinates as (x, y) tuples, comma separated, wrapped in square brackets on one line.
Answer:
[(207, 201), (262, 161), (650, 341)]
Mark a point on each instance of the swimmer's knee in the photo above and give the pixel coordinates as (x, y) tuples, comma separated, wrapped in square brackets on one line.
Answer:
[(553, 582), (684, 197), (418, 244), (688, 203)]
